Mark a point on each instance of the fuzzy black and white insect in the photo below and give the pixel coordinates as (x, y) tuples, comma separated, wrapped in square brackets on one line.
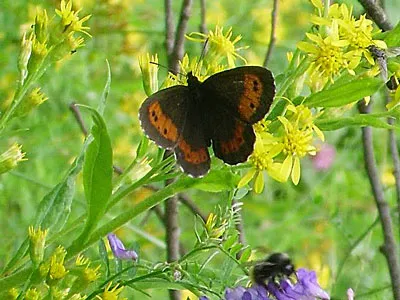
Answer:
[(275, 266)]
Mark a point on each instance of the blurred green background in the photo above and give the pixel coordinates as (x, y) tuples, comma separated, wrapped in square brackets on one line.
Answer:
[(316, 222)]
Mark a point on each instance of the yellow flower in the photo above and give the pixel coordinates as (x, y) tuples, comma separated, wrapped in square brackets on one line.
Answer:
[(37, 239), (70, 19), (328, 56), (186, 65), (10, 159), (296, 144), (32, 294), (91, 274), (110, 294), (266, 148), (149, 67), (220, 45)]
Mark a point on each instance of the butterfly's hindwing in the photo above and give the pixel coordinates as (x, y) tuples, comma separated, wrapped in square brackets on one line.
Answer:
[(191, 150), (232, 139)]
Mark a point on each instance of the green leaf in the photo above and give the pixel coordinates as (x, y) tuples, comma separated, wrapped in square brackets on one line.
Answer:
[(217, 181), (97, 173), (54, 209), (245, 255), (229, 242), (392, 37), (357, 120), (340, 94)]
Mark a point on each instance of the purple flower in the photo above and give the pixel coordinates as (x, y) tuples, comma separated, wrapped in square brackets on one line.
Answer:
[(119, 250), (203, 298), (256, 292), (306, 288), (324, 158)]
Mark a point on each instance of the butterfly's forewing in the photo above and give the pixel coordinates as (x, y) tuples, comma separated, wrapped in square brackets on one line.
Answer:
[(246, 92), (163, 114), (191, 150)]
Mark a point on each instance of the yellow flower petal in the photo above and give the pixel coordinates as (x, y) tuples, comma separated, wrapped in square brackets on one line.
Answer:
[(246, 178), (259, 183), (296, 171), (287, 167)]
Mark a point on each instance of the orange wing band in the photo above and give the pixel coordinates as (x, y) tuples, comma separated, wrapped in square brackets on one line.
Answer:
[(162, 123), (250, 100)]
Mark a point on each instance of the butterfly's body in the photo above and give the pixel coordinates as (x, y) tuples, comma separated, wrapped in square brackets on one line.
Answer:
[(219, 111)]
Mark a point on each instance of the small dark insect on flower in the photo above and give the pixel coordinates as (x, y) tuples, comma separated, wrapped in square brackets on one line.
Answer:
[(380, 56), (275, 266)]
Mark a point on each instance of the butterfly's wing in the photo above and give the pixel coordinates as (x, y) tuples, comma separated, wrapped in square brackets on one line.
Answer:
[(191, 150), (170, 120), (232, 139), (162, 115), (246, 92)]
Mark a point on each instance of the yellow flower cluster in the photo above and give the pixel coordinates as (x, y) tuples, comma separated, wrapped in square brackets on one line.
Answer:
[(279, 153), (339, 43)]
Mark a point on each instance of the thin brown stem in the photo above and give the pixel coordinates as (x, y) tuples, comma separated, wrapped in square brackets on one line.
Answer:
[(192, 206), (178, 50), (203, 27), (389, 248), (272, 37), (377, 13), (78, 117), (169, 27)]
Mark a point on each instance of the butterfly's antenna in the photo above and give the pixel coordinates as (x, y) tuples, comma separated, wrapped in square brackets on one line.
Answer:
[(203, 53), (162, 66)]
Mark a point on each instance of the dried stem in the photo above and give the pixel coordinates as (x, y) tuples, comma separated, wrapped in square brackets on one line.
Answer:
[(377, 13), (389, 248), (78, 117), (272, 38), (169, 27), (178, 50), (203, 27)]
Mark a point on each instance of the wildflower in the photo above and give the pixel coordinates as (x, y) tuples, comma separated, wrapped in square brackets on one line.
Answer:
[(31, 101), (91, 274), (186, 65), (215, 227), (297, 140), (110, 294), (10, 159), (328, 56), (305, 288), (266, 148), (54, 270), (256, 292), (324, 158), (148, 66), (220, 44), (41, 26), (12, 294), (32, 294), (119, 250), (70, 20), (350, 294), (37, 239)]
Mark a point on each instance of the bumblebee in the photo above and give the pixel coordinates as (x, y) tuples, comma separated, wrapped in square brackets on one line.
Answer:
[(275, 266)]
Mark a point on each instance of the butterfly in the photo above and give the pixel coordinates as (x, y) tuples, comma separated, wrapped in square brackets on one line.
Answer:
[(219, 111)]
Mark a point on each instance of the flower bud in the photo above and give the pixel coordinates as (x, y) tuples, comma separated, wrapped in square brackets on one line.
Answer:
[(37, 240), (10, 159)]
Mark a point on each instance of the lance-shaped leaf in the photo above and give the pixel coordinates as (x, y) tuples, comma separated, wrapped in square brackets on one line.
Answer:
[(97, 174), (357, 120), (340, 93)]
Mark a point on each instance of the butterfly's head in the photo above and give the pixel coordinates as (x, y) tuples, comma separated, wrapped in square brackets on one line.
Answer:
[(191, 79)]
